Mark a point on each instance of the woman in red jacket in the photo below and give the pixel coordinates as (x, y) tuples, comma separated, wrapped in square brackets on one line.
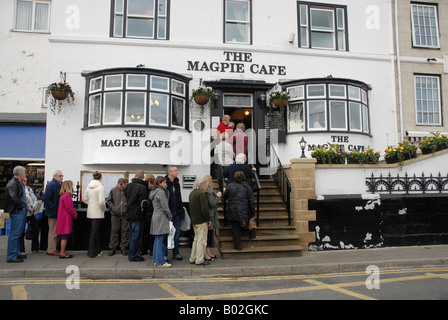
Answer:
[(66, 215)]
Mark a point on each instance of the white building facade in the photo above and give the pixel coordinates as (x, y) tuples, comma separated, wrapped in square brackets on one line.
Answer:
[(134, 63)]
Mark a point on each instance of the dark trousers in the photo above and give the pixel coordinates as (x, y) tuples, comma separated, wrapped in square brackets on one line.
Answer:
[(236, 233), (94, 242)]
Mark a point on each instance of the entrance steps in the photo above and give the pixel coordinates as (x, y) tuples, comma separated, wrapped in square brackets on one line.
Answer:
[(275, 238)]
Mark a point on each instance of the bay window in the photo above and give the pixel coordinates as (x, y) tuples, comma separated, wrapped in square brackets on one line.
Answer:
[(328, 105), (136, 97)]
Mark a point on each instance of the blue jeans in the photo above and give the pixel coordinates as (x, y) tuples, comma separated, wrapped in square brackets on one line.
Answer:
[(159, 250), (135, 238), (176, 223), (17, 227)]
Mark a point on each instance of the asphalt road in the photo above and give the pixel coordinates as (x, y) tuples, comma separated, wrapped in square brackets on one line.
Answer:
[(425, 283)]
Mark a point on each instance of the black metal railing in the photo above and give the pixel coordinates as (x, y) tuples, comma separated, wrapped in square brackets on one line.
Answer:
[(407, 184), (281, 180), (256, 186)]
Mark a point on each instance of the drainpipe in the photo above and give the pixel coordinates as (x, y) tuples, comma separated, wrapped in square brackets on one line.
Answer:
[(400, 97)]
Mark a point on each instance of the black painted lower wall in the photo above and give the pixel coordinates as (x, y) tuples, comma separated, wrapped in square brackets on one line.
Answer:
[(392, 220)]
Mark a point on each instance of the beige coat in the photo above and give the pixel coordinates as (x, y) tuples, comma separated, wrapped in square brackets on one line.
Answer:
[(95, 200)]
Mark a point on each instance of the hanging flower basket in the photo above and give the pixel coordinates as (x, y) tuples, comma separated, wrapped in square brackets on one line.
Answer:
[(201, 99), (279, 103), (60, 91), (59, 94)]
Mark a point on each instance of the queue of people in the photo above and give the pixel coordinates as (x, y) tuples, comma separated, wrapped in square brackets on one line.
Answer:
[(141, 211)]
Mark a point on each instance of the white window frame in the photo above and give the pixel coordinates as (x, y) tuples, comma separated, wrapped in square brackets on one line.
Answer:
[(130, 122), (414, 40), (308, 115), (323, 30), (90, 110), (297, 103), (128, 87), (247, 23), (183, 112), (33, 16), (331, 115), (439, 97), (168, 107), (105, 109)]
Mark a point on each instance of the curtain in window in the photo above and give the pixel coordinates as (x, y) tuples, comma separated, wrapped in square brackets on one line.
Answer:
[(41, 20), (24, 15), (237, 12)]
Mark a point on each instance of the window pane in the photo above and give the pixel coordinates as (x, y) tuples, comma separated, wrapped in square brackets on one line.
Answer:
[(237, 11), (365, 119), (162, 7), (136, 81), (118, 26), (135, 107), (112, 108), (354, 93), (238, 100), (161, 31), (178, 87), (94, 109), (118, 6), (322, 20), (24, 15), (296, 117), (114, 82), (41, 18), (355, 116), (425, 26), (338, 115), (322, 40), (159, 83), (96, 84), (141, 7), (237, 32), (316, 91), (177, 112), (317, 115), (427, 100), (296, 92), (337, 91), (158, 109), (140, 27)]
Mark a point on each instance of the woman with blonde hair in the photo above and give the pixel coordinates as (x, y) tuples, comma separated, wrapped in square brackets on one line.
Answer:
[(66, 215), (96, 205), (213, 200)]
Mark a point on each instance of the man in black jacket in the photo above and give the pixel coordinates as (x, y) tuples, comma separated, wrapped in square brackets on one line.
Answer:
[(176, 206), (17, 207), (136, 194)]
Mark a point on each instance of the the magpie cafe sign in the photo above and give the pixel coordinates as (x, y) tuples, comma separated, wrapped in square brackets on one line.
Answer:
[(236, 62), (131, 146), (134, 139)]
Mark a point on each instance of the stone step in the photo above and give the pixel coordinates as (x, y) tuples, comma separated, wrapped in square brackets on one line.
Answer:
[(261, 241), (262, 252)]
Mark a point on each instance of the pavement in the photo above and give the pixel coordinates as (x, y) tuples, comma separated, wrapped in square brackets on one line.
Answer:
[(40, 265)]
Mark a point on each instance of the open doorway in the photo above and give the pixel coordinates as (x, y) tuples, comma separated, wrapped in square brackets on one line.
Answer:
[(240, 115)]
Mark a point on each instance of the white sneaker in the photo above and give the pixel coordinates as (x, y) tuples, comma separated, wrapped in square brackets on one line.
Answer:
[(165, 265)]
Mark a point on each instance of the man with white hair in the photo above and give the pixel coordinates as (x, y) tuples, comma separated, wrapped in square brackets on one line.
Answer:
[(200, 219), (17, 207), (239, 165), (51, 201)]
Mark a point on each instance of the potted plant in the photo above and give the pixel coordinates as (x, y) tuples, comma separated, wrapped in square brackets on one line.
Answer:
[(59, 92), (368, 156), (202, 96), (278, 99), (335, 154)]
